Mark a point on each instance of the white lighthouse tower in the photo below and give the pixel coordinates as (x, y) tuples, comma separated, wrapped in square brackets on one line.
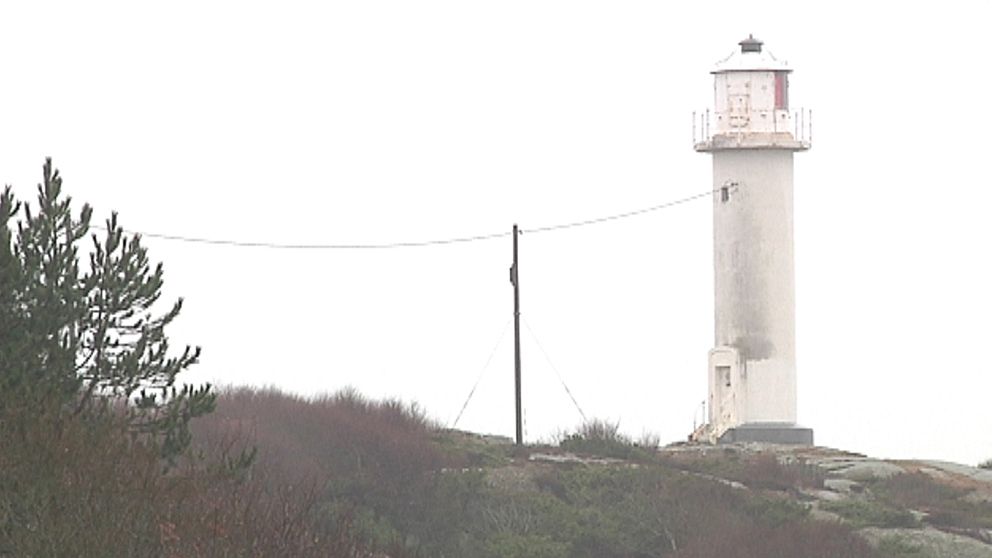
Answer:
[(752, 135)]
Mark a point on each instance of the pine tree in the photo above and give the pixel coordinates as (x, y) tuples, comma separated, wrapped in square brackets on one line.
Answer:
[(88, 338)]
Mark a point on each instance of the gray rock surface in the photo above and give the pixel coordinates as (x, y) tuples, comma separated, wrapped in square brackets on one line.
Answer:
[(568, 457), (930, 542), (858, 469), (843, 486), (974, 473)]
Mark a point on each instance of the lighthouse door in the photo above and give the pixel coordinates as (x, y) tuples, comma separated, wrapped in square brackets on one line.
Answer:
[(725, 388), (725, 395), (739, 99)]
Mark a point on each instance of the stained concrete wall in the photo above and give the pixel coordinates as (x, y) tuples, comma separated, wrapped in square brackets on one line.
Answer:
[(754, 279)]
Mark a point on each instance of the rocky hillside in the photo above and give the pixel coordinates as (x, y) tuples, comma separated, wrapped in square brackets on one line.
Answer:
[(406, 488), (913, 508), (917, 509)]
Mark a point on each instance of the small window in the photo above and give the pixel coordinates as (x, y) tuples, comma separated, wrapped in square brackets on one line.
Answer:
[(725, 194), (781, 91), (723, 373)]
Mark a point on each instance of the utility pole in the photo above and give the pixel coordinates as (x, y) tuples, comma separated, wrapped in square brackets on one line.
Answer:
[(515, 280)]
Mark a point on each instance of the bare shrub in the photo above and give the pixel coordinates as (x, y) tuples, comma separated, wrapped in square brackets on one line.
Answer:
[(339, 436), (766, 471), (942, 503), (376, 459), (84, 485), (809, 539), (763, 470), (916, 490), (649, 440), (70, 483), (216, 516)]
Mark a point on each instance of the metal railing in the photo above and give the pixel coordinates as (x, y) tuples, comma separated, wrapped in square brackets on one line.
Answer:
[(708, 124)]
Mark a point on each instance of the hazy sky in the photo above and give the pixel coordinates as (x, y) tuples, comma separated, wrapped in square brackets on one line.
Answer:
[(372, 121)]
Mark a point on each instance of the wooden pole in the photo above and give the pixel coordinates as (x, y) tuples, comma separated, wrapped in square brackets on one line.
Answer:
[(515, 279)]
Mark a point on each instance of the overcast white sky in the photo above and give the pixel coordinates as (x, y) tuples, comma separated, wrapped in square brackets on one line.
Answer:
[(373, 121)]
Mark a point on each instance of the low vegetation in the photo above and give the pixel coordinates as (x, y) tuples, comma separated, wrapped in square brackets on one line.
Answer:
[(809, 539), (941, 504), (345, 476), (604, 439), (84, 486), (409, 489), (762, 471), (870, 513), (896, 547)]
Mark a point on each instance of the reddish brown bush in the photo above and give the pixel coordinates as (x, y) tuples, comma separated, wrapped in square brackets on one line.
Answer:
[(917, 490), (809, 539), (338, 436), (377, 457), (762, 471), (84, 486), (943, 503), (766, 471)]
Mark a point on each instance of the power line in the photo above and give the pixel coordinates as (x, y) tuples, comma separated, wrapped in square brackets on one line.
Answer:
[(291, 246), (598, 220), (408, 244)]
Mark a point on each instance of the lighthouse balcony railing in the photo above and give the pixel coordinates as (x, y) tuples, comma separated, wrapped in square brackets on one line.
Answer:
[(758, 128)]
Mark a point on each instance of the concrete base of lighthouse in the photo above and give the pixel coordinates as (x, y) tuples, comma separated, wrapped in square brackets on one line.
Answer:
[(768, 432)]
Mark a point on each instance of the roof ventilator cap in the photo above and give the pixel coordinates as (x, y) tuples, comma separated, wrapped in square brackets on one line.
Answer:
[(750, 44)]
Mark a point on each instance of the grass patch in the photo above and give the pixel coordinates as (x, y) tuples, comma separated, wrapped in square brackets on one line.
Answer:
[(942, 503), (869, 513), (916, 490), (761, 471), (808, 539), (895, 546), (603, 439), (475, 451)]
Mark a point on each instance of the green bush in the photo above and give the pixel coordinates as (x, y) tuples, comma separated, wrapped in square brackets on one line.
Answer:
[(512, 545), (897, 547), (603, 439), (776, 511)]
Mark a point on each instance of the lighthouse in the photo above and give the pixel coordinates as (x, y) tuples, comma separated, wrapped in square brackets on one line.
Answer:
[(752, 134)]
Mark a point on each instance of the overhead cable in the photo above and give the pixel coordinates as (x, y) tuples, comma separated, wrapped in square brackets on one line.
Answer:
[(409, 244), (296, 246), (598, 220)]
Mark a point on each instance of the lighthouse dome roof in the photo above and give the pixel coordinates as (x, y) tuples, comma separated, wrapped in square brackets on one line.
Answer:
[(751, 57)]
